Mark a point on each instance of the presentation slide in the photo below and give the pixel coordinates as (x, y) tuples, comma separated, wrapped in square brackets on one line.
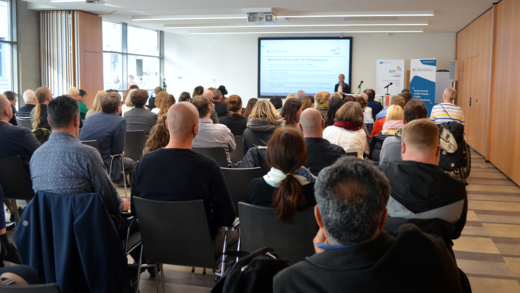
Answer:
[(286, 65)]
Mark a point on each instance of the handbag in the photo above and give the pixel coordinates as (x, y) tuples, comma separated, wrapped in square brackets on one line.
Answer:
[(447, 141)]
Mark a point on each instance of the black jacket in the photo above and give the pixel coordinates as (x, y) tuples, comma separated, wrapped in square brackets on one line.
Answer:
[(17, 141), (151, 103), (376, 108), (255, 157), (346, 88), (376, 144), (253, 138), (236, 123), (424, 191), (321, 153), (222, 109), (412, 262)]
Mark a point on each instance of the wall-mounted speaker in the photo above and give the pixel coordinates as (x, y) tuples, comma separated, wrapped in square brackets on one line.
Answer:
[(453, 70)]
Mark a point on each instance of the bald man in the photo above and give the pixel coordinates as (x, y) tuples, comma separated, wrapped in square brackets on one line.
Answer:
[(209, 96), (321, 153), (301, 95), (176, 173)]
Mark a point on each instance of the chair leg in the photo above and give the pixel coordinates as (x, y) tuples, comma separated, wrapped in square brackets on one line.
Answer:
[(139, 270), (155, 267), (162, 279), (16, 215), (224, 247), (238, 245), (124, 176)]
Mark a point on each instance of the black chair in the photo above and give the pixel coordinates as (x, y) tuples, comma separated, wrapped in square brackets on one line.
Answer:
[(24, 123), (259, 228), (238, 180), (92, 143), (238, 154), (15, 181), (45, 288), (370, 127), (218, 154), (134, 144), (175, 233)]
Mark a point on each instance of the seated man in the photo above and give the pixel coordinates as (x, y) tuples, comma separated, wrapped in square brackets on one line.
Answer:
[(374, 105), (139, 118), (420, 189), (109, 130), (447, 111), (221, 109), (212, 135), (354, 254), (208, 94), (320, 152), (24, 113), (63, 165), (391, 149), (176, 173)]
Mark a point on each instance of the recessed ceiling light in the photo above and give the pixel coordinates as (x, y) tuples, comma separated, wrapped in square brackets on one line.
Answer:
[(359, 15), (139, 18), (306, 32), (294, 25)]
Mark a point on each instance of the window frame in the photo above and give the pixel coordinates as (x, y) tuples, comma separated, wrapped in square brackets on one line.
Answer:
[(13, 48)]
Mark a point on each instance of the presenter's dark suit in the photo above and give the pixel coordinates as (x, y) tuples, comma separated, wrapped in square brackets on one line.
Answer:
[(346, 88)]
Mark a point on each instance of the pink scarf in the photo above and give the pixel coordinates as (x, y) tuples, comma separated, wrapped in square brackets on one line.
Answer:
[(393, 124)]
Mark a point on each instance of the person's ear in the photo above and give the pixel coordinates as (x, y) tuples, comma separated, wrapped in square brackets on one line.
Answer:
[(195, 129), (166, 123), (49, 121), (317, 215), (403, 148), (300, 126), (76, 120), (438, 152), (383, 220), (322, 123)]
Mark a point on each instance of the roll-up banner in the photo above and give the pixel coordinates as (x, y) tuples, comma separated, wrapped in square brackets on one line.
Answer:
[(390, 71), (422, 81)]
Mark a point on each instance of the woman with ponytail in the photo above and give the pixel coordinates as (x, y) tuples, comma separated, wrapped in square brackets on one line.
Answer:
[(235, 121), (159, 136), (39, 113), (288, 186)]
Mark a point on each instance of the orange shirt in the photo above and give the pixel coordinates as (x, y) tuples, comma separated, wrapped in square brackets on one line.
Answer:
[(378, 126)]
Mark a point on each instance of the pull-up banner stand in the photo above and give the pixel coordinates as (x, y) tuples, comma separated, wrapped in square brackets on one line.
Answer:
[(422, 81), (390, 71)]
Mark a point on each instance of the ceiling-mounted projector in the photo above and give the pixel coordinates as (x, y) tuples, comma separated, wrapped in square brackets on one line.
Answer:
[(95, 1), (261, 17)]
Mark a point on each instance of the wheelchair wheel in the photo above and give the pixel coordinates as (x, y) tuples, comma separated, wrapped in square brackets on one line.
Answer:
[(465, 161)]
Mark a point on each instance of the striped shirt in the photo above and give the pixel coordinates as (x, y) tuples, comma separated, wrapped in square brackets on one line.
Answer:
[(447, 112)]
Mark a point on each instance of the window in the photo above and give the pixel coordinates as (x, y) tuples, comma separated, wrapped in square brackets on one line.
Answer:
[(8, 61), (131, 58)]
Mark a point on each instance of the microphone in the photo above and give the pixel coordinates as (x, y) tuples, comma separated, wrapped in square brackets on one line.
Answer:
[(359, 86), (388, 85)]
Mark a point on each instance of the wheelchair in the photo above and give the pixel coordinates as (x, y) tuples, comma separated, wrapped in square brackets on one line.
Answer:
[(458, 162)]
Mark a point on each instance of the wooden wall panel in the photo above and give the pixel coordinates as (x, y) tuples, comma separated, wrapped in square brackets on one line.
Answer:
[(504, 131), (91, 55)]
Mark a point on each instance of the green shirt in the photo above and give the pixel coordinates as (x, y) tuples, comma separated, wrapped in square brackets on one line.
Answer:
[(82, 110)]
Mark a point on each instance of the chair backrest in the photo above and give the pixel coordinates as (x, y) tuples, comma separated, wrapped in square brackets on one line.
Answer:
[(175, 232), (14, 179), (238, 154), (45, 288), (92, 143), (238, 180), (218, 154), (24, 123), (134, 144), (259, 227)]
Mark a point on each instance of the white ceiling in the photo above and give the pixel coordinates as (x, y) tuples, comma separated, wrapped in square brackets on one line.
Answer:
[(449, 15)]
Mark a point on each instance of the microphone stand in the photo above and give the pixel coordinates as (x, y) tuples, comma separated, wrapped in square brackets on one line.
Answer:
[(387, 88)]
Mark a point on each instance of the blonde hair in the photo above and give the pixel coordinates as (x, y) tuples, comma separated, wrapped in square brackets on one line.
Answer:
[(42, 94), (421, 134), (73, 92), (96, 105), (394, 112), (159, 98), (128, 99), (264, 109), (337, 95), (291, 96), (322, 97)]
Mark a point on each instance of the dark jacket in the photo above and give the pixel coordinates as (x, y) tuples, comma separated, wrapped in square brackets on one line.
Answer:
[(25, 111), (321, 153), (13, 119), (151, 103), (236, 123), (140, 119), (412, 262), (255, 157), (346, 88), (253, 138), (424, 191), (376, 108), (262, 194), (17, 141), (376, 144), (221, 109), (71, 240)]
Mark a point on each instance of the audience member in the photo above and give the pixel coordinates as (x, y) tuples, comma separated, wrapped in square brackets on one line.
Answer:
[(406, 98), (198, 91), (158, 101), (354, 254), (406, 95), (367, 118), (39, 113), (166, 103), (391, 149), (208, 94), (255, 157), (184, 97), (447, 111), (308, 102), (334, 104), (291, 113), (291, 96), (127, 106), (421, 189), (212, 135), (151, 100), (24, 113), (140, 118), (220, 108), (224, 92), (235, 122), (134, 87), (109, 130), (301, 95), (289, 186), (196, 176), (74, 92), (374, 105), (394, 120), (249, 108), (348, 99), (63, 165), (83, 95), (159, 136), (320, 152), (261, 125), (125, 95), (322, 101), (96, 105), (11, 96), (378, 124), (347, 130), (367, 109), (277, 103)]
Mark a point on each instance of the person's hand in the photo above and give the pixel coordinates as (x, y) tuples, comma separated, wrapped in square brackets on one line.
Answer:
[(123, 153), (342, 93), (126, 204), (212, 105), (321, 237)]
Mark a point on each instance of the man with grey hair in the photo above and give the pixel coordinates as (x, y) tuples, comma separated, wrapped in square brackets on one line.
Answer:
[(301, 95), (321, 153), (209, 96), (24, 113), (354, 254), (447, 111)]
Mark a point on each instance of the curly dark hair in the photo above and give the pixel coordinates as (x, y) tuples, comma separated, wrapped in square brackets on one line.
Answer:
[(139, 98)]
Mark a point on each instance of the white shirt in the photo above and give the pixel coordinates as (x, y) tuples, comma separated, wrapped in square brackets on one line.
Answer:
[(125, 109), (350, 141), (156, 110)]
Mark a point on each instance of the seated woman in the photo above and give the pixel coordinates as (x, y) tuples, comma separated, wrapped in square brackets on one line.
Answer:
[(261, 125), (367, 109), (322, 101), (394, 120), (235, 122), (291, 113), (165, 105), (39, 112), (364, 105), (347, 130), (249, 108), (277, 103), (158, 101), (96, 105), (288, 186), (308, 102), (334, 104), (159, 136), (127, 106)]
